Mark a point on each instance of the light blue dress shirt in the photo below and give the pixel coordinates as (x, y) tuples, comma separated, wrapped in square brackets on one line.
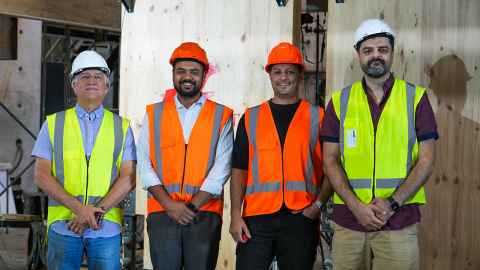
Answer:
[(220, 171), (89, 125)]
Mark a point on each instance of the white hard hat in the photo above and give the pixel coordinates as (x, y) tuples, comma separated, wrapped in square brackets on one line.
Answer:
[(89, 59), (372, 27)]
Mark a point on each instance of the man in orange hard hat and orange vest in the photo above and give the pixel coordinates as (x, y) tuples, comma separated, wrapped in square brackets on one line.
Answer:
[(185, 147), (277, 173)]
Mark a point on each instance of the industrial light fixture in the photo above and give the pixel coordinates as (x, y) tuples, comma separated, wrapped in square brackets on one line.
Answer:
[(282, 3), (129, 5)]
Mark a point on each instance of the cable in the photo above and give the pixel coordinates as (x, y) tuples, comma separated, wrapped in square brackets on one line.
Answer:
[(18, 155)]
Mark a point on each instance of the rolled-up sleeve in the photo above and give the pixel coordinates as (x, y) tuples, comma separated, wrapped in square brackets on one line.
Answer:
[(145, 170), (43, 146), (129, 151), (221, 169)]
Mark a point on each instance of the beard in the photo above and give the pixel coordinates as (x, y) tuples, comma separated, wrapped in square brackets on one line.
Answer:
[(185, 93), (375, 68)]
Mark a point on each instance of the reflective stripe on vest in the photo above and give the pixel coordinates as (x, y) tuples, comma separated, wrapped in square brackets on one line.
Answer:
[(110, 137), (182, 166), (192, 190), (288, 175), (291, 184), (342, 99)]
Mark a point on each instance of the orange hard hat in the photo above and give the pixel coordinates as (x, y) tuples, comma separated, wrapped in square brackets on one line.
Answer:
[(190, 50), (285, 53)]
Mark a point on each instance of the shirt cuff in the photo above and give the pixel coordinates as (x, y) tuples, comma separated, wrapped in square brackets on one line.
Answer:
[(149, 180), (213, 188), (424, 137), (329, 139)]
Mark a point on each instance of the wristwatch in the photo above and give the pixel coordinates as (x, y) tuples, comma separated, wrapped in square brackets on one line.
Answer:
[(393, 204), (192, 207), (318, 204)]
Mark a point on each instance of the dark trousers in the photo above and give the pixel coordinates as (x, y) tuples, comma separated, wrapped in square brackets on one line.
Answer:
[(174, 246), (291, 238)]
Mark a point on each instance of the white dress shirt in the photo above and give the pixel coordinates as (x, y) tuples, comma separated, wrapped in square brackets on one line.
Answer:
[(220, 171)]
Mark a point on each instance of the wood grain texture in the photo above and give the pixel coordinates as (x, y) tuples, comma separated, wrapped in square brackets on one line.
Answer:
[(437, 47), (102, 14), (237, 36)]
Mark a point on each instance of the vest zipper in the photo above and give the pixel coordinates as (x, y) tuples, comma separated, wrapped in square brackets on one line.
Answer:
[(85, 200), (184, 164)]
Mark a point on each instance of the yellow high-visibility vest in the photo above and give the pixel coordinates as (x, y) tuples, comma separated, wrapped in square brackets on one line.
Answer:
[(376, 162), (88, 181)]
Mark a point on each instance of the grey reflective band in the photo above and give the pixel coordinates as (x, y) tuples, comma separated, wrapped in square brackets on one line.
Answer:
[(266, 187), (357, 183), (412, 136), (301, 186), (172, 188), (52, 202), (314, 130), (388, 182), (189, 189), (215, 135), (344, 96), (157, 118), (58, 147), (118, 136), (252, 124), (92, 200)]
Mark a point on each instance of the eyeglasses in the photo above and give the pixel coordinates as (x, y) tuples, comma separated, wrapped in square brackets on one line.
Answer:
[(84, 78)]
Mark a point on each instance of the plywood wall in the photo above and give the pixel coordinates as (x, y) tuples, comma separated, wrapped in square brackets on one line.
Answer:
[(237, 36), (437, 47)]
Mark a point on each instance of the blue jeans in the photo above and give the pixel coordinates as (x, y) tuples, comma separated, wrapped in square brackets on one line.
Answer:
[(66, 252)]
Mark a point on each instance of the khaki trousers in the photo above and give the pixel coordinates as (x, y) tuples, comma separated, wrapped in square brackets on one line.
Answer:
[(382, 250)]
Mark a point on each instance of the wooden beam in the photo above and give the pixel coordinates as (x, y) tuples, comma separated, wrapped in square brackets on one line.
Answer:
[(102, 14)]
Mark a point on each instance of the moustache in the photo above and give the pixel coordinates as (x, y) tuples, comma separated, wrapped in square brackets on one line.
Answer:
[(187, 81), (381, 61)]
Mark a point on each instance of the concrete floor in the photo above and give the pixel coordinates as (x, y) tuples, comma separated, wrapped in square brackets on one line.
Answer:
[(13, 248)]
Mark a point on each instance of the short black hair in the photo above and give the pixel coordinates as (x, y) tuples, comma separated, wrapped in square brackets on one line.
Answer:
[(391, 39)]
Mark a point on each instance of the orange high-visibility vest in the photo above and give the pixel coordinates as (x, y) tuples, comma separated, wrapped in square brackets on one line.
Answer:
[(292, 177), (183, 167)]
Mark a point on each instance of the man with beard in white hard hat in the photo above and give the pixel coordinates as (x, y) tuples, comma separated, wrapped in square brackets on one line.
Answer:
[(85, 163), (379, 139)]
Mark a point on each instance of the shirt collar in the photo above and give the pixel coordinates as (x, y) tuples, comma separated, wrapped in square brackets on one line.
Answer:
[(199, 102), (387, 86), (83, 114)]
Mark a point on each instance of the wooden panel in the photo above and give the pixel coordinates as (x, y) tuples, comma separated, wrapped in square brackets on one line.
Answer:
[(437, 48), (237, 36), (103, 14)]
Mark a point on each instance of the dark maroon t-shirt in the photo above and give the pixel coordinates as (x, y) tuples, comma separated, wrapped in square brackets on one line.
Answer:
[(426, 128)]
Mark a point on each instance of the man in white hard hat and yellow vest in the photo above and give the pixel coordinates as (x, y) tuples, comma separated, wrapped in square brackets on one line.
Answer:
[(378, 136), (85, 163)]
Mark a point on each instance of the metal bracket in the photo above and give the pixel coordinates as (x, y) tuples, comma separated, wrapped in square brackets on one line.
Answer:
[(129, 5), (282, 3)]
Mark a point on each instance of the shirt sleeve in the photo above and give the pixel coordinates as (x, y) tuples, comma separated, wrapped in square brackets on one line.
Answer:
[(43, 146), (129, 151), (240, 147), (425, 124), (145, 170), (221, 168), (330, 131)]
